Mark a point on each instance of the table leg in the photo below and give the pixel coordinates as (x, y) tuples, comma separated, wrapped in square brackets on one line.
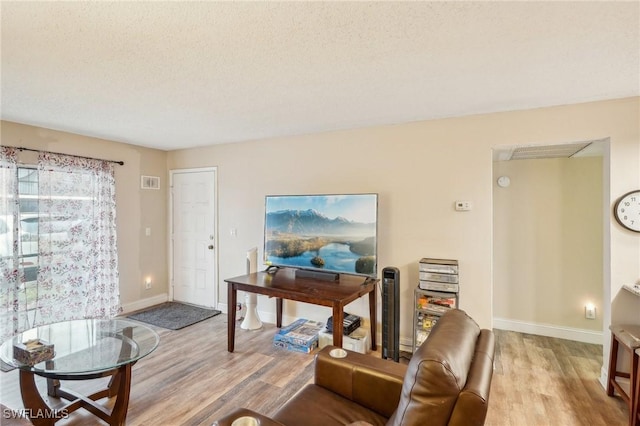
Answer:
[(119, 412), (279, 312), (125, 349), (119, 387), (231, 326), (39, 412), (125, 352), (114, 385), (53, 385), (338, 320), (373, 297)]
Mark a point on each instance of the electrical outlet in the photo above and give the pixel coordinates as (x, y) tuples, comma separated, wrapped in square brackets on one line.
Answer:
[(590, 312), (147, 283)]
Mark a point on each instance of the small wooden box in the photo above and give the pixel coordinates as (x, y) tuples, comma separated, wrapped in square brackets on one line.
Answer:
[(33, 351)]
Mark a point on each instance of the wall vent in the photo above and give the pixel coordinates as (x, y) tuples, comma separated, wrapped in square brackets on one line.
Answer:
[(150, 182), (548, 151)]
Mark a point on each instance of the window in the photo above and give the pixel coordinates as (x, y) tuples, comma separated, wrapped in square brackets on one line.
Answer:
[(58, 251)]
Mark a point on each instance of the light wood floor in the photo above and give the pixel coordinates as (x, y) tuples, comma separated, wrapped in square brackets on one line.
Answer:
[(191, 379)]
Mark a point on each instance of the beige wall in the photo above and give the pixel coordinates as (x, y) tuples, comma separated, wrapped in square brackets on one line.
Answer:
[(419, 169), (548, 242), (139, 256), (409, 166)]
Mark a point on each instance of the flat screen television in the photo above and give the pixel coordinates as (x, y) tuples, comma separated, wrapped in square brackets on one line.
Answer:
[(332, 233)]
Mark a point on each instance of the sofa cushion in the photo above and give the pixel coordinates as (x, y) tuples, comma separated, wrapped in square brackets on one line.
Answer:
[(317, 406), (437, 372)]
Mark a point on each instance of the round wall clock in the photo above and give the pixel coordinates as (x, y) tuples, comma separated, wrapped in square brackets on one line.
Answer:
[(627, 210)]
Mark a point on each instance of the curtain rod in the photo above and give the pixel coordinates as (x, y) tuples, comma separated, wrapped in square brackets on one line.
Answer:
[(70, 155)]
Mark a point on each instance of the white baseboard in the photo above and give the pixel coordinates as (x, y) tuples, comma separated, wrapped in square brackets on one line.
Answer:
[(604, 373), (549, 330), (144, 303)]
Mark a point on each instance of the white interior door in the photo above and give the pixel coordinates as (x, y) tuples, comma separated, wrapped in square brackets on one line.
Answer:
[(194, 258)]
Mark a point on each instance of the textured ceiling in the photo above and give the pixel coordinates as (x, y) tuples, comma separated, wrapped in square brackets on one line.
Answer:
[(182, 74)]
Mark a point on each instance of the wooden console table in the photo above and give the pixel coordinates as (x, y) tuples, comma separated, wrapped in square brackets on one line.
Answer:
[(283, 284)]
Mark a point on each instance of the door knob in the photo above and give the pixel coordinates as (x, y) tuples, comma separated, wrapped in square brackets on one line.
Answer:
[(210, 247)]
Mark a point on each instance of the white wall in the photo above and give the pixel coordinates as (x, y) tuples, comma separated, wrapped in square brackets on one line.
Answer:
[(419, 169)]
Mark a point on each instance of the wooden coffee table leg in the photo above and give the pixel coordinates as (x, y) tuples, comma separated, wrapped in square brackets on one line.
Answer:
[(39, 412), (119, 412), (53, 385), (113, 388)]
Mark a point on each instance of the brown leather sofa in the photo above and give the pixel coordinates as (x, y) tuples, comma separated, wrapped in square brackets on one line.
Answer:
[(447, 382)]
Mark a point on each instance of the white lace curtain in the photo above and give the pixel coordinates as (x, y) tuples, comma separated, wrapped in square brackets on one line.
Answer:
[(10, 275), (77, 262)]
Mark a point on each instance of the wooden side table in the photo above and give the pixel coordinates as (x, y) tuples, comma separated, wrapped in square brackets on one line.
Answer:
[(626, 336), (635, 414)]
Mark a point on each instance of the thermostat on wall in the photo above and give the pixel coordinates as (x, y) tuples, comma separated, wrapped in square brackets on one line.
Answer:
[(463, 206)]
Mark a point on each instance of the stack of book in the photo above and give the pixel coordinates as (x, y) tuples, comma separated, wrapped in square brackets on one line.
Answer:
[(299, 336), (349, 325)]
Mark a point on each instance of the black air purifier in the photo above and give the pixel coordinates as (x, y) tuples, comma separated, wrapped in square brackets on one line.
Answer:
[(391, 313)]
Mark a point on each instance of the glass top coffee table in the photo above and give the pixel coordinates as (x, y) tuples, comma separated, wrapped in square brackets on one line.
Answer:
[(82, 350)]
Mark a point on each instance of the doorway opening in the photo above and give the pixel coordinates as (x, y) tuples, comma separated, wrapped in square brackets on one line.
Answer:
[(550, 239)]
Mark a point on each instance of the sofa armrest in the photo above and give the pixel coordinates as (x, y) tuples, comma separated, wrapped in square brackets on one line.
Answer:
[(371, 382), (244, 412)]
